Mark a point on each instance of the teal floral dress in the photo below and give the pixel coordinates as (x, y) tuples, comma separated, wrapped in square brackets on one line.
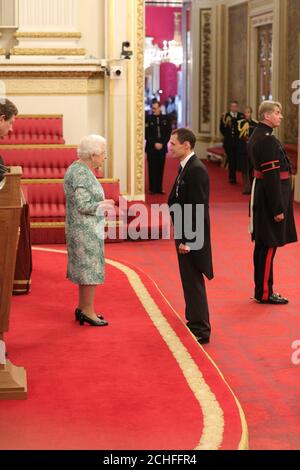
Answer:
[(84, 226)]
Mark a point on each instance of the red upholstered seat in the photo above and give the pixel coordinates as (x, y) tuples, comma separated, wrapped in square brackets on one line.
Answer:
[(216, 153), (48, 208), (46, 162), (35, 129)]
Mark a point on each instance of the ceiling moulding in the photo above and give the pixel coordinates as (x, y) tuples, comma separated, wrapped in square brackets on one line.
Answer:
[(233, 3), (259, 7)]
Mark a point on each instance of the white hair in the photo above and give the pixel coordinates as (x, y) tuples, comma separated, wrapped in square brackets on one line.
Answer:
[(91, 145)]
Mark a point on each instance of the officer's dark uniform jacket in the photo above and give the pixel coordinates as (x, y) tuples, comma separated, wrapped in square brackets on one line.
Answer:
[(272, 189), (158, 130), (228, 128), (245, 129)]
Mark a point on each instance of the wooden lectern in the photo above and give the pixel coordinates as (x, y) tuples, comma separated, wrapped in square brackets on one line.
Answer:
[(12, 379)]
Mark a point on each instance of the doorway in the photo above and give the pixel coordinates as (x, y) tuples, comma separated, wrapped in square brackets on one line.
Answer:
[(168, 64)]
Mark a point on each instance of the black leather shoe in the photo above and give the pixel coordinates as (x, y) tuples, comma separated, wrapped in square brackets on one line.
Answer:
[(275, 299), (78, 312), (202, 340), (85, 319)]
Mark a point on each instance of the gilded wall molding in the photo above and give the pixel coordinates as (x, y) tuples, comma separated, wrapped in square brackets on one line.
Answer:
[(53, 86), (41, 35), (139, 100), (237, 53), (258, 7), (45, 51), (51, 74), (262, 20), (205, 70)]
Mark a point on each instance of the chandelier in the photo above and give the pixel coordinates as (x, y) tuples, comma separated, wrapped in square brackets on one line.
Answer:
[(152, 53), (171, 52)]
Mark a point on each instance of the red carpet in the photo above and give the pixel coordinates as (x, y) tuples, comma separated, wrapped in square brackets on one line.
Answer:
[(141, 383), (251, 343)]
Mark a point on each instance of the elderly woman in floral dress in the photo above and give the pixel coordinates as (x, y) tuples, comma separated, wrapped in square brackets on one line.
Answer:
[(85, 205)]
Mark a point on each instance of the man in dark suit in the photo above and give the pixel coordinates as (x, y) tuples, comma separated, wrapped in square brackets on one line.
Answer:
[(158, 131), (272, 213), (190, 193), (228, 128)]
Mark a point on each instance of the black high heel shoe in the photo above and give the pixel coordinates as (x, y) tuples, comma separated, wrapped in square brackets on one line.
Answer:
[(85, 319), (78, 312)]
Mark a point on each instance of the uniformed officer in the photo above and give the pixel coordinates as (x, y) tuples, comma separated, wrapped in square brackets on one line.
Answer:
[(158, 132), (245, 129), (272, 219), (228, 128)]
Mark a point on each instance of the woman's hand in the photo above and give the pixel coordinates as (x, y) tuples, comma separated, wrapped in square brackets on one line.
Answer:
[(279, 217), (107, 204)]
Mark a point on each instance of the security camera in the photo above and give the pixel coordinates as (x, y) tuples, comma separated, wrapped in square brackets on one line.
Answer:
[(116, 71), (126, 53)]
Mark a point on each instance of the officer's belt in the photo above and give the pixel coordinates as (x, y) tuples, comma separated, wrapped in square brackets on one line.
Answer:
[(284, 175)]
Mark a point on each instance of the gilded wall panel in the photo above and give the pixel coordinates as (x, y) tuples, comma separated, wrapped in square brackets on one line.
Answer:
[(237, 48)]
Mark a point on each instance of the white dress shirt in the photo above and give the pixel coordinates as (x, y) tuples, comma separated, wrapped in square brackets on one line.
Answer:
[(184, 162)]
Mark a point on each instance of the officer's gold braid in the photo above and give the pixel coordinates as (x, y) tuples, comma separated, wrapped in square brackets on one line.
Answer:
[(243, 128), (227, 120)]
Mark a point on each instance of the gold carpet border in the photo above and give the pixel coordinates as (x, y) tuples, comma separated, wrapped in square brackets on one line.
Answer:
[(244, 442), (213, 418)]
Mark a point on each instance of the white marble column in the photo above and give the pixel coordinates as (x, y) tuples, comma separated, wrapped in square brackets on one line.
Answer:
[(48, 27), (125, 95)]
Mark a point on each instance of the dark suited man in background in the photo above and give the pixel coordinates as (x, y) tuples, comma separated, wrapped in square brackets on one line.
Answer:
[(158, 131), (245, 129), (228, 128), (272, 223), (192, 188)]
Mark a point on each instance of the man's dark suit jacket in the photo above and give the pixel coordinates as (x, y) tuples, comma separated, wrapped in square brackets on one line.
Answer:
[(192, 187)]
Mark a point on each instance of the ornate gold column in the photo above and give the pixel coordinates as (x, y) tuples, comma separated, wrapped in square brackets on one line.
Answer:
[(209, 71), (125, 95)]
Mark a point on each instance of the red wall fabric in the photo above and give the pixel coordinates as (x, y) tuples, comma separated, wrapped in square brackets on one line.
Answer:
[(168, 80), (160, 23), (160, 26)]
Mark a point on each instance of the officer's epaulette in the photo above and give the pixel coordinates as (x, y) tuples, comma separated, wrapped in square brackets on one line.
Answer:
[(243, 128), (226, 118)]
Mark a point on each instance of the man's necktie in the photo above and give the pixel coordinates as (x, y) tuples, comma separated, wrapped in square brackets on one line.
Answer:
[(178, 179)]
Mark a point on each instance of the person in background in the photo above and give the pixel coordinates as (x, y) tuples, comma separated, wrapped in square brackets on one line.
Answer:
[(85, 205), (228, 128), (171, 111), (272, 221), (157, 134), (245, 129)]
